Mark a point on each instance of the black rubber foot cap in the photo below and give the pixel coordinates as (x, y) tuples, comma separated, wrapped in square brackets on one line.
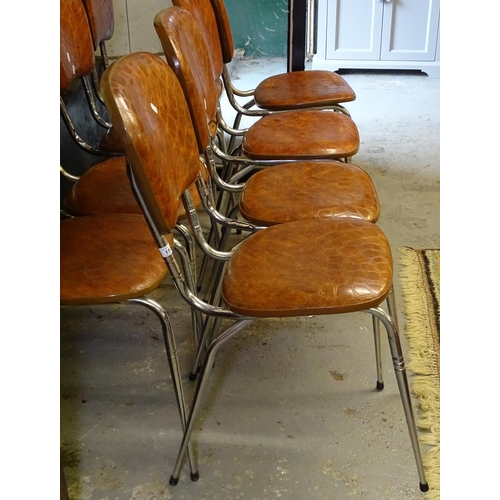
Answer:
[(192, 376), (424, 487), (173, 481), (380, 386), (195, 476)]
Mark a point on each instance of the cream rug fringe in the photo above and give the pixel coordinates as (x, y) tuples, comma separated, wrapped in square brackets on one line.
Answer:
[(421, 362)]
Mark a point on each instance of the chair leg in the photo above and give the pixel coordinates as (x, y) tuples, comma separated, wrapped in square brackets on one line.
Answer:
[(210, 321), (200, 389), (378, 353), (175, 373), (196, 319), (400, 370)]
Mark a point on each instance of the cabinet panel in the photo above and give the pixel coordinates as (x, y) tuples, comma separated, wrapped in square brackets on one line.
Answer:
[(377, 34), (409, 30), (354, 29)]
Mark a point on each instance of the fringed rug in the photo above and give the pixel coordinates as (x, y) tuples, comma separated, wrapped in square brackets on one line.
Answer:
[(419, 280)]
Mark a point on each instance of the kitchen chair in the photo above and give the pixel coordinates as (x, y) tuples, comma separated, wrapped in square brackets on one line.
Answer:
[(303, 134), (293, 90), (300, 268), (306, 189), (105, 187), (112, 258), (274, 195), (77, 64)]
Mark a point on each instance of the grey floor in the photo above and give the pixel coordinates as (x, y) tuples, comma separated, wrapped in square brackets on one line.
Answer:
[(291, 411)]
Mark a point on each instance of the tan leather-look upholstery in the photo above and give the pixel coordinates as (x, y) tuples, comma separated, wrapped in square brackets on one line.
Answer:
[(146, 106), (309, 190), (108, 258), (203, 12), (101, 20), (224, 29), (293, 90), (315, 266), (186, 54), (75, 39), (300, 134), (302, 89), (303, 134), (105, 189)]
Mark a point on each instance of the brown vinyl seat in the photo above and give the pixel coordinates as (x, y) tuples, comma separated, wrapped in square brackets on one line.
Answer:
[(113, 258), (316, 266), (286, 91), (303, 134)]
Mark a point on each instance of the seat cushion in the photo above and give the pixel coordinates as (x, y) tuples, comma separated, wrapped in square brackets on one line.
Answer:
[(105, 188), (302, 134), (107, 258), (316, 266), (302, 89), (308, 190)]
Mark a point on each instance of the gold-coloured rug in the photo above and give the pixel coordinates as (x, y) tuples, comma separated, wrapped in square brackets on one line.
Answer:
[(419, 280)]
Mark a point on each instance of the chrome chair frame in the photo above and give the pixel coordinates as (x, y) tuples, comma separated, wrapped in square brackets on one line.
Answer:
[(388, 319)]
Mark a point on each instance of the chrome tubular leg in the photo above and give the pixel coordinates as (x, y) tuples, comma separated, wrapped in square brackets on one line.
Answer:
[(210, 322), (200, 389), (391, 307), (378, 353), (175, 372), (400, 371), (196, 318), (191, 247), (214, 240)]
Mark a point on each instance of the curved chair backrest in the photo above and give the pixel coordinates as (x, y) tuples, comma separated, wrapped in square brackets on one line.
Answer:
[(148, 108), (225, 35), (77, 53), (204, 14), (101, 19), (186, 53)]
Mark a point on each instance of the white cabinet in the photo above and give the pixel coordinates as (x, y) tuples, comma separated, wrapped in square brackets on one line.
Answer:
[(378, 34)]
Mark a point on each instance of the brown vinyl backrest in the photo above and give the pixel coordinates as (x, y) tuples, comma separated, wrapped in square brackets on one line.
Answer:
[(77, 53), (225, 34), (101, 19), (149, 111), (186, 53), (204, 14)]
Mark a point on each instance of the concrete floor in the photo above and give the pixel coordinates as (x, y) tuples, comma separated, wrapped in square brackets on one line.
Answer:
[(291, 411)]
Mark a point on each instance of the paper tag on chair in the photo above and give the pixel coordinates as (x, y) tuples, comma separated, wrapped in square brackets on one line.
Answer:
[(166, 251)]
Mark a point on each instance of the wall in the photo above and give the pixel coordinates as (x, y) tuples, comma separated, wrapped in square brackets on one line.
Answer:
[(259, 27), (134, 30)]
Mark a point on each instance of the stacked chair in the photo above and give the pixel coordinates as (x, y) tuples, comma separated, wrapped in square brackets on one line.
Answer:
[(293, 90), (167, 120)]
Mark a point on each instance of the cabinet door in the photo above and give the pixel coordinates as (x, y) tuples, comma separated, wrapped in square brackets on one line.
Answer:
[(409, 30), (354, 29)]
